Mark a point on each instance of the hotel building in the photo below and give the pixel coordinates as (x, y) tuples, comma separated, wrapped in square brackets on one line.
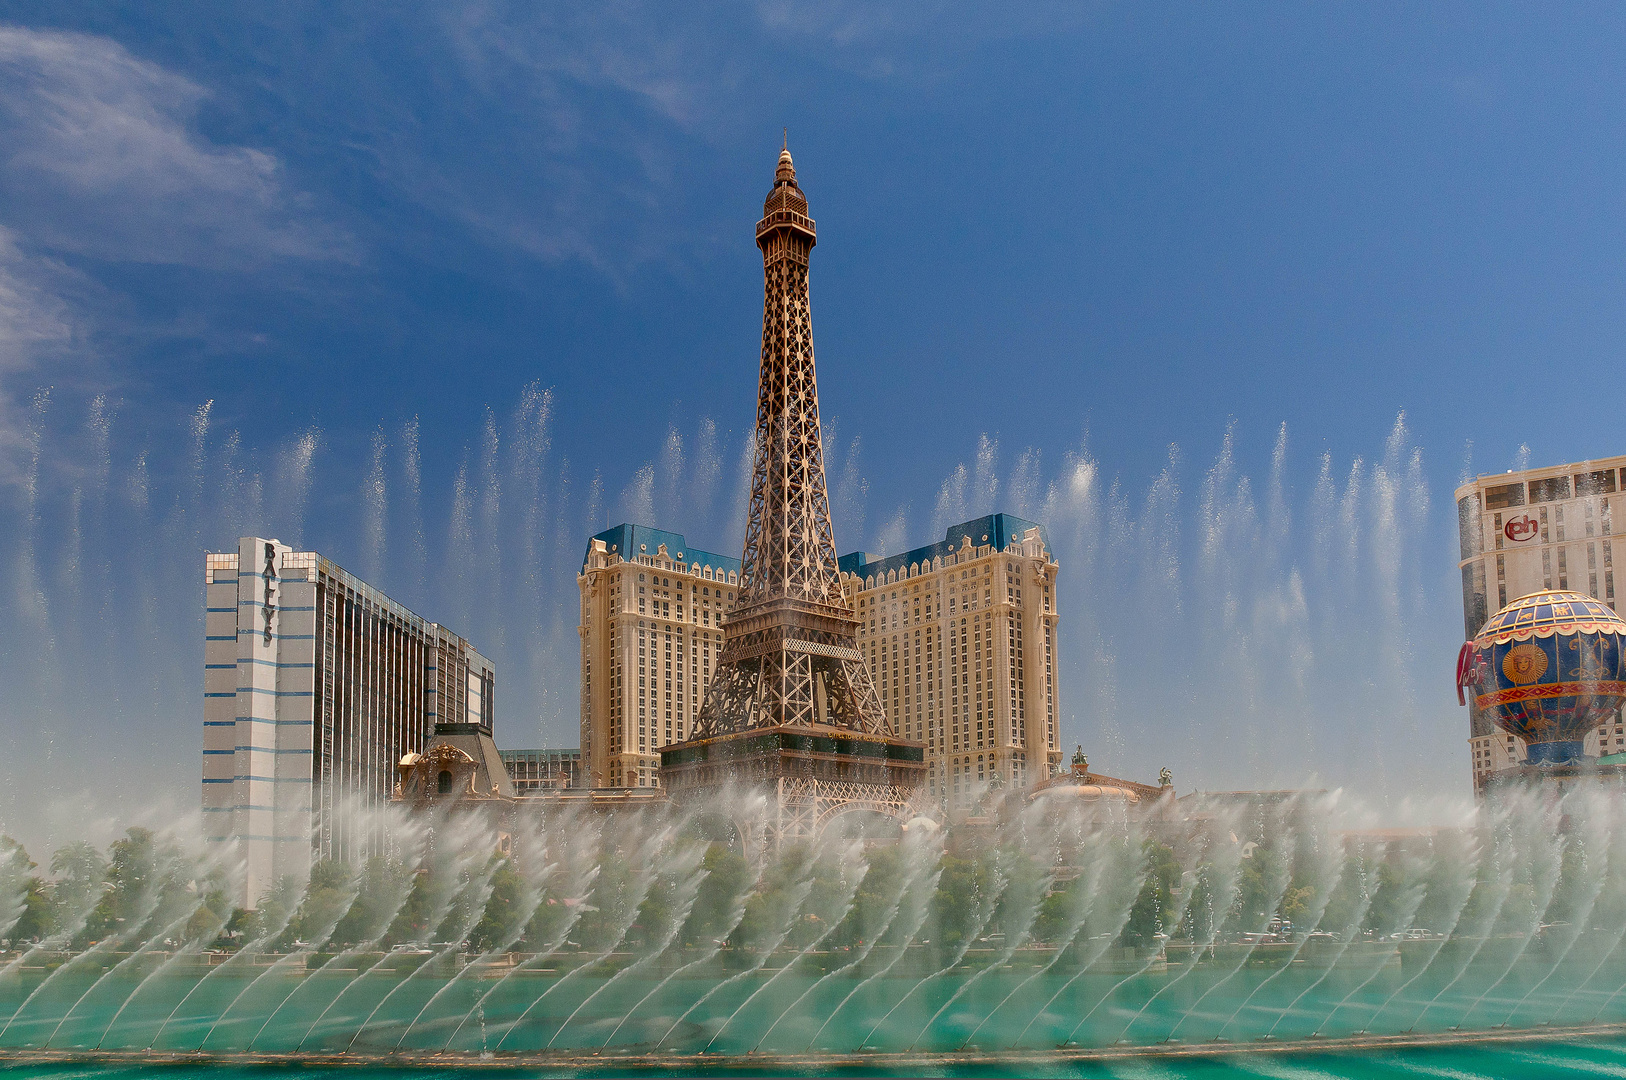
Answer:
[(651, 627), (532, 771), (960, 637), (315, 686), (1522, 532)]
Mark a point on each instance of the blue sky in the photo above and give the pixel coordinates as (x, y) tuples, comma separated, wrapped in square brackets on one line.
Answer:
[(1050, 235)]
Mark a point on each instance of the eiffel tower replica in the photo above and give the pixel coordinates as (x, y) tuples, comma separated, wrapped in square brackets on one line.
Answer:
[(791, 708)]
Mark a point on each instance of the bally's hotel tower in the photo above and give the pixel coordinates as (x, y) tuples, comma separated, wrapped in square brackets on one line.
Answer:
[(315, 686)]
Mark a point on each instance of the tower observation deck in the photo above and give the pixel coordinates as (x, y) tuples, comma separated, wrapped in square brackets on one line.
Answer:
[(791, 705)]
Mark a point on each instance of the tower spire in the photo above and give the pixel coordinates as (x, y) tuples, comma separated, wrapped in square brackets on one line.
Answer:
[(789, 652), (791, 707)]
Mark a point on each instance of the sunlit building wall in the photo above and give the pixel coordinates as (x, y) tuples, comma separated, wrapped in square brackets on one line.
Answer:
[(651, 626), (960, 637), (315, 685), (1523, 532)]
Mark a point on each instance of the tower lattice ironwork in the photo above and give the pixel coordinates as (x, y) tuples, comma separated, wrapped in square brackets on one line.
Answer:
[(790, 651), (791, 702)]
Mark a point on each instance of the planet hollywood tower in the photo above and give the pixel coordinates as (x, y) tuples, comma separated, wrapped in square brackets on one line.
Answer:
[(791, 707)]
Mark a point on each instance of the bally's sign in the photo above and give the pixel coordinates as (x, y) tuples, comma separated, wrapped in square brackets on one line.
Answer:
[(269, 608), (1522, 529)]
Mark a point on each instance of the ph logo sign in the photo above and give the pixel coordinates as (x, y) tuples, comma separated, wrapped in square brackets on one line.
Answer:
[(1521, 529)]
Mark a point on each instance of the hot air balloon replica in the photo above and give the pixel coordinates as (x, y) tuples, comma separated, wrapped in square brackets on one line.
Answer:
[(1547, 668)]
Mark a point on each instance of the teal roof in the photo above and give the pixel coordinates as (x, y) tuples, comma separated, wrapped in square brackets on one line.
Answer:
[(630, 541), (997, 530)]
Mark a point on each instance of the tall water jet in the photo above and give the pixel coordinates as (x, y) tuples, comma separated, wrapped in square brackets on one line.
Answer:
[(385, 885), (786, 888), (831, 911), (296, 475), (578, 858), (622, 899), (412, 505), (375, 500), (901, 920)]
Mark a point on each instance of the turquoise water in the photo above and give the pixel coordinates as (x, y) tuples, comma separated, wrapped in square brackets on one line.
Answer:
[(914, 957), (1558, 1060), (379, 1004)]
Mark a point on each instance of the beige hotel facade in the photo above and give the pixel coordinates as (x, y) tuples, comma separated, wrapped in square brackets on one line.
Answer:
[(960, 638), (1522, 532)]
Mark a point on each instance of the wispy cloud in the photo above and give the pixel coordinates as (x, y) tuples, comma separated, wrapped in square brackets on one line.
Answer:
[(36, 325), (587, 113), (105, 160)]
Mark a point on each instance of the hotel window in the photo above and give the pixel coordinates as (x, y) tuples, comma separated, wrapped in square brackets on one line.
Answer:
[(1500, 498), (1549, 489), (1601, 482)]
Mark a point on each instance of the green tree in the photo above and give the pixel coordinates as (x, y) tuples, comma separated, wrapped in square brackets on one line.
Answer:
[(959, 909), (332, 892), (774, 903), (36, 915), (872, 904), (1056, 913), (1389, 899), (1260, 883), (608, 908), (1351, 897), (1025, 883), (1298, 902), (275, 914), (715, 904), (461, 915), (39, 919), (378, 891), (211, 916), (131, 873), (81, 874), (1154, 908), (237, 931), (500, 921), (432, 901), (655, 912), (1202, 918), (552, 915)]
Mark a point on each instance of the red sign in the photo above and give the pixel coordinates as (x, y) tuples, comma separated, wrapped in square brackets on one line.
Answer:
[(1521, 529)]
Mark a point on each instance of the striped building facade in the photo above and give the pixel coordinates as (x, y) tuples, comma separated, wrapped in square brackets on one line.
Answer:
[(315, 685)]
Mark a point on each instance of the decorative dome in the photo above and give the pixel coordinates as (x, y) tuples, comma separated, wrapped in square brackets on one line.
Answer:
[(1544, 614), (1088, 792), (1080, 785), (786, 172), (1548, 668)]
